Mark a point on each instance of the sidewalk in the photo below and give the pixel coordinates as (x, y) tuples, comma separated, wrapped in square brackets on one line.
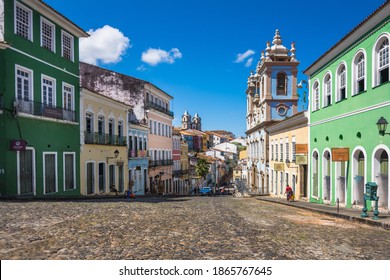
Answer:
[(344, 213)]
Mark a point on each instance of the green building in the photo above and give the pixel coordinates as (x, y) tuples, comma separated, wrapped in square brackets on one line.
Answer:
[(349, 92), (39, 100)]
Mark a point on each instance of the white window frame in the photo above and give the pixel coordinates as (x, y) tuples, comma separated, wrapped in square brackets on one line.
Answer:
[(74, 170), (355, 71), (30, 80), (30, 21), (65, 96), (46, 87), (55, 170), (316, 95), (52, 46), (375, 59), (327, 89), (71, 38), (341, 76), (34, 181)]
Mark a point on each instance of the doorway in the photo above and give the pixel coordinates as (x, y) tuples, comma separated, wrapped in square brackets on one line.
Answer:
[(26, 171)]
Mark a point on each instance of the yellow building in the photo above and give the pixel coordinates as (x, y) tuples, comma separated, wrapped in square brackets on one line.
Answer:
[(288, 156), (104, 153)]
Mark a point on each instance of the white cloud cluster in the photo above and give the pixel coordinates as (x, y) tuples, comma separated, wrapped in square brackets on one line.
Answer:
[(157, 56), (106, 45), (245, 56)]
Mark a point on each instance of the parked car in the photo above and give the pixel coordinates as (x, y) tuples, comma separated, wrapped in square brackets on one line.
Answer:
[(205, 191)]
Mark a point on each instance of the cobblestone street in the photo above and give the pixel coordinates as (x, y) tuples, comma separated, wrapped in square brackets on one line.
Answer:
[(184, 228)]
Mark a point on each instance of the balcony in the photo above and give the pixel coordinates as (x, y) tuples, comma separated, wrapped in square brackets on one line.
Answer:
[(44, 110), (104, 139), (163, 162), (138, 154), (155, 106)]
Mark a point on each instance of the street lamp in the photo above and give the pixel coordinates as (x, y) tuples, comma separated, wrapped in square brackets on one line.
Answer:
[(382, 126), (116, 154)]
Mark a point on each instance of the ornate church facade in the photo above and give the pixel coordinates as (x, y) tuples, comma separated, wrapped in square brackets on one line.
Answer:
[(271, 97)]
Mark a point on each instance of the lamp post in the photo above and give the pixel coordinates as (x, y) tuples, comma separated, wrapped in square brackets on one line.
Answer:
[(382, 126), (116, 154)]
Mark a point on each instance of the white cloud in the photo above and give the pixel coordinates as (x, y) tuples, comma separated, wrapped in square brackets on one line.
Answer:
[(249, 62), (156, 56), (106, 45), (242, 56)]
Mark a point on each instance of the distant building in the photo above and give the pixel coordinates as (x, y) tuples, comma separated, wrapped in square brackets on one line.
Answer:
[(191, 123)]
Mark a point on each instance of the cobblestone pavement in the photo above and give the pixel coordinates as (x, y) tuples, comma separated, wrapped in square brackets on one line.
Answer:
[(185, 228)]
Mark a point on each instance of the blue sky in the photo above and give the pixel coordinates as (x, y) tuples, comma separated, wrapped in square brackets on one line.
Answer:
[(189, 49)]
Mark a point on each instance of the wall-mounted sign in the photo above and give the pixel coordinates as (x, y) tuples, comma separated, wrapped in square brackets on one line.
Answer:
[(301, 149), (18, 145), (340, 154), (301, 159), (279, 166)]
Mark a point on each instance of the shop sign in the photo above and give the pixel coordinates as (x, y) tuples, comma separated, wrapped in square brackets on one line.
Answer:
[(340, 154), (18, 145), (301, 149), (279, 166), (301, 159)]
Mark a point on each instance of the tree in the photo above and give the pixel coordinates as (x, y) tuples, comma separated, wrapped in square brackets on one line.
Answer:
[(201, 168)]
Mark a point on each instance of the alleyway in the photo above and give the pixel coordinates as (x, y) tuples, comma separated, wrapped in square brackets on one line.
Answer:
[(181, 228)]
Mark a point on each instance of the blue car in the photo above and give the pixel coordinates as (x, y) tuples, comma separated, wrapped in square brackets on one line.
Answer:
[(205, 191)]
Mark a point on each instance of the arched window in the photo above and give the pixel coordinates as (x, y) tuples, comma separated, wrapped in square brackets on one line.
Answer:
[(281, 88), (327, 90), (341, 83), (316, 96), (359, 79), (381, 61)]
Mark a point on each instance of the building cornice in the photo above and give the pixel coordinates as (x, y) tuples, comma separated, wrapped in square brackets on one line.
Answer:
[(297, 121)]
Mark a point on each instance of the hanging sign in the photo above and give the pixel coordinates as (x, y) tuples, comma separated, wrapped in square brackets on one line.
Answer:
[(279, 166), (340, 154), (301, 159), (18, 145), (301, 149)]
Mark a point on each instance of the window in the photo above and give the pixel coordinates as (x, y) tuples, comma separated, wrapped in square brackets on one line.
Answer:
[(68, 102), (68, 94), (89, 128), (287, 150), (276, 151), (293, 151), (281, 152), (111, 130), (341, 83), (23, 21), (48, 91), (327, 90), (69, 171), (120, 132), (101, 129), (384, 62), (281, 84), (316, 96), (47, 35), (23, 84), (359, 74), (67, 46)]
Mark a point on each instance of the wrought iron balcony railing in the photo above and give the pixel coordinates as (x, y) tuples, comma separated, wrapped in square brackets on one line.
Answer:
[(152, 105), (104, 139), (138, 153), (163, 162), (44, 110)]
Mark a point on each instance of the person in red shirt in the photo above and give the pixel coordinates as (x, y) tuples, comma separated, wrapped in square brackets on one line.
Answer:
[(289, 193)]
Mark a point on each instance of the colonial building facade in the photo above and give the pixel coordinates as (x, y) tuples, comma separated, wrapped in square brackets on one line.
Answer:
[(39, 96), (104, 164), (160, 119), (271, 96), (349, 89), (288, 155)]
